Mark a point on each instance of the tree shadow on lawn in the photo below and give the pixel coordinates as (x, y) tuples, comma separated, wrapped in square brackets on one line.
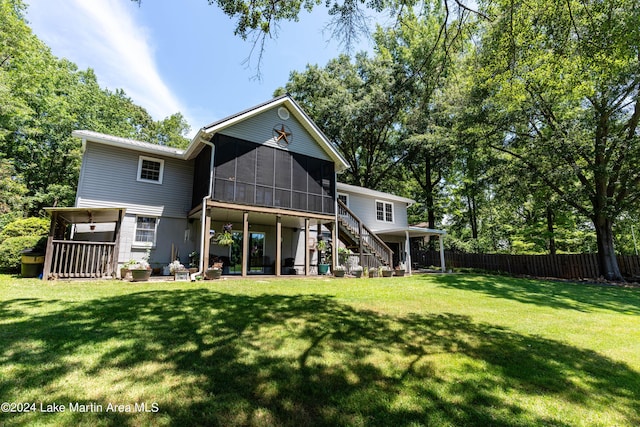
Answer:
[(211, 358), (556, 294)]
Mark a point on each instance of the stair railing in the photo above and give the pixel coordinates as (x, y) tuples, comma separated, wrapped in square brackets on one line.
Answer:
[(368, 237)]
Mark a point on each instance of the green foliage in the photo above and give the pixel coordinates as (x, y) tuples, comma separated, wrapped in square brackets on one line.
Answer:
[(42, 100), (12, 247), (24, 233), (358, 104), (25, 227)]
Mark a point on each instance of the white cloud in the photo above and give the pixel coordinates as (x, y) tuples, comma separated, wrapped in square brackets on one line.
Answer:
[(103, 35)]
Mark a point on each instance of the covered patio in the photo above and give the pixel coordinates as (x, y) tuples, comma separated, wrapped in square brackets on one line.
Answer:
[(268, 238), (83, 243), (403, 236)]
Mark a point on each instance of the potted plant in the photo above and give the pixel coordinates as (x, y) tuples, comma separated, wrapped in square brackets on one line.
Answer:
[(339, 271), (141, 270), (357, 271), (225, 238), (178, 270), (194, 262), (386, 271), (323, 265), (125, 271), (400, 269), (213, 273), (373, 272)]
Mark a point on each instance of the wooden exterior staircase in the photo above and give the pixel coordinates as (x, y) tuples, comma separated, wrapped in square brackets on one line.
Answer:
[(361, 240)]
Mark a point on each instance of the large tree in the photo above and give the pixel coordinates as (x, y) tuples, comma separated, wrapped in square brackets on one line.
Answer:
[(43, 99), (563, 84), (359, 105)]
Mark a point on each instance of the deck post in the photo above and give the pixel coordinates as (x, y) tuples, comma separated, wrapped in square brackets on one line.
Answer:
[(49, 251), (115, 257), (206, 226), (407, 251), (441, 253), (307, 253), (278, 245), (245, 243), (334, 246)]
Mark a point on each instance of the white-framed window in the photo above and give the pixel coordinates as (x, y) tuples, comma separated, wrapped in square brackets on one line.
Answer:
[(384, 211), (150, 169), (145, 235), (344, 197)]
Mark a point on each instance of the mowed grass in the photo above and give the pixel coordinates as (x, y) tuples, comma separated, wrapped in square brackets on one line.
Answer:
[(452, 350)]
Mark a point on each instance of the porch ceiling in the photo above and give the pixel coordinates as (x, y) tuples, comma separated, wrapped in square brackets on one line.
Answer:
[(87, 215)]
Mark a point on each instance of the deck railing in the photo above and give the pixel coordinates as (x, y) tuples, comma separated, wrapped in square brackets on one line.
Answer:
[(76, 259), (371, 242)]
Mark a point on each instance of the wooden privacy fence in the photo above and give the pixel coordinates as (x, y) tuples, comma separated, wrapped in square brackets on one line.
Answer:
[(565, 266)]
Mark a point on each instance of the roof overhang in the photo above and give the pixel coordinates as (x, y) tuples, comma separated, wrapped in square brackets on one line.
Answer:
[(87, 215), (130, 144), (348, 188), (413, 232)]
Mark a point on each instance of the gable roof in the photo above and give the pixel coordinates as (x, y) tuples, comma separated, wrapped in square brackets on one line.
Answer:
[(292, 106)]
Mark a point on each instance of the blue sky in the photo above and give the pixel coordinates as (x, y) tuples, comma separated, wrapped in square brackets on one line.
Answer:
[(179, 55)]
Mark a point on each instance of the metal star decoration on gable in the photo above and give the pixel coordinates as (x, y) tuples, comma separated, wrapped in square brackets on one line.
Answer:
[(282, 134)]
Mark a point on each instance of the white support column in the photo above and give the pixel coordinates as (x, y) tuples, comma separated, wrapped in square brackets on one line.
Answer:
[(245, 244), (278, 245), (407, 250), (440, 237), (307, 253)]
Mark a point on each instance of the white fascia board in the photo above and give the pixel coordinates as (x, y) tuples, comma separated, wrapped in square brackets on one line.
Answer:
[(348, 188), (130, 144)]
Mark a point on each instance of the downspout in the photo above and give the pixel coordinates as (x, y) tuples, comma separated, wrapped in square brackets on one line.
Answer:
[(205, 233)]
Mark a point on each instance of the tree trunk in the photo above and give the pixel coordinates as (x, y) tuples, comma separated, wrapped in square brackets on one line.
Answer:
[(607, 261), (552, 239), (473, 220)]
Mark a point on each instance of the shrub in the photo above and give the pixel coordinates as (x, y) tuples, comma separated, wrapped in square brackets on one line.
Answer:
[(11, 248), (25, 227), (18, 235)]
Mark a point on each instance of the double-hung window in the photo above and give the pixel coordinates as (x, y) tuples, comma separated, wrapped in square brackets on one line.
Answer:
[(145, 231), (384, 211), (150, 169)]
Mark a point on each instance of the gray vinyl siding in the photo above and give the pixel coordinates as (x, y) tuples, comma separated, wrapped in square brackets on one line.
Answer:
[(109, 178), (259, 128), (364, 207), (170, 231)]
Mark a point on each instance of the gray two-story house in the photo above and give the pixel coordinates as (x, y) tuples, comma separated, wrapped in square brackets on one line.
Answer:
[(267, 173)]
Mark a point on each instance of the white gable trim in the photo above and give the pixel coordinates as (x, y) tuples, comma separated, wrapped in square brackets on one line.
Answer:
[(208, 131)]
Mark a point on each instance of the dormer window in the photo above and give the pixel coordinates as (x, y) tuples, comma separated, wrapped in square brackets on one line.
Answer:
[(150, 169)]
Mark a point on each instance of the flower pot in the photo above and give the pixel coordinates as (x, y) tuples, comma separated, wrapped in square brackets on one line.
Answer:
[(213, 274), (357, 273), (181, 275), (399, 273), (323, 268), (339, 273), (140, 275), (387, 273)]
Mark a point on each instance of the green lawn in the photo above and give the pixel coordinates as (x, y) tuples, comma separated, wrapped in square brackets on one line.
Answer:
[(453, 350)]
